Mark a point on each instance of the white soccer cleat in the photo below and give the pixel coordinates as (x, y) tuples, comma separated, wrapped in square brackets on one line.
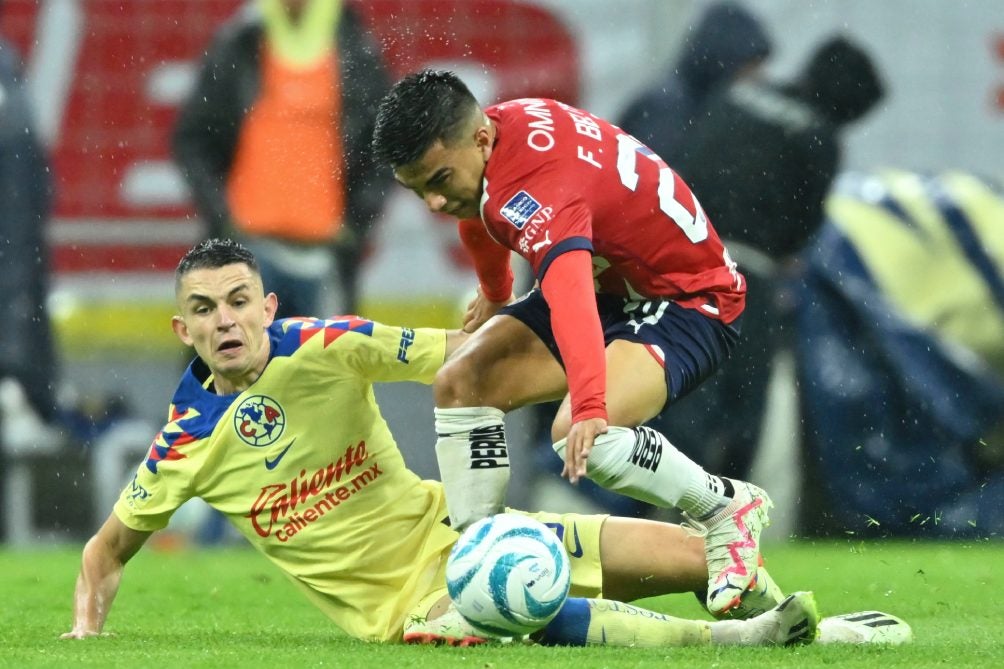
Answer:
[(732, 546), (793, 621), (865, 627), (449, 629)]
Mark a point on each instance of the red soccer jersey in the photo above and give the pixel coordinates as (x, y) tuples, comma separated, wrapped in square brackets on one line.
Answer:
[(561, 179)]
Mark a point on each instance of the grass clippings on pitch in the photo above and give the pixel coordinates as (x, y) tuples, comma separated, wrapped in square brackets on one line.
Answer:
[(230, 608)]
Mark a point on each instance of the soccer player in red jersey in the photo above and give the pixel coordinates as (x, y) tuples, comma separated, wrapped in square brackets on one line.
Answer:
[(637, 301)]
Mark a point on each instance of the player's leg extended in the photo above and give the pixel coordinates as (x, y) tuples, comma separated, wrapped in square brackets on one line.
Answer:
[(604, 622), (627, 558), (641, 463), (503, 366), (589, 622), (645, 558)]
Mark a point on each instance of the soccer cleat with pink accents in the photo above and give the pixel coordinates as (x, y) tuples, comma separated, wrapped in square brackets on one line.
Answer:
[(762, 595), (732, 546)]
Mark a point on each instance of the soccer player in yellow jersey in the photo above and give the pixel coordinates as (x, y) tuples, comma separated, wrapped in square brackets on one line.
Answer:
[(275, 425)]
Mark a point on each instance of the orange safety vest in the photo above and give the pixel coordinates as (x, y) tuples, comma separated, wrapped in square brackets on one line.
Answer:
[(287, 179)]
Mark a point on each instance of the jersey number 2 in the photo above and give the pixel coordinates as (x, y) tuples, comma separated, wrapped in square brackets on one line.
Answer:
[(694, 226)]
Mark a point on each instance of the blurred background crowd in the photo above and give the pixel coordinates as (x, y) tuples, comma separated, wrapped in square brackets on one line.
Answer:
[(855, 177)]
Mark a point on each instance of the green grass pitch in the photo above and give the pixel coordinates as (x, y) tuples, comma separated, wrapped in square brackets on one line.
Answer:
[(231, 608)]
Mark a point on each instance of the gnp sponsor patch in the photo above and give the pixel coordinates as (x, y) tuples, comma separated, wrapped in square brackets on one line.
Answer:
[(520, 209)]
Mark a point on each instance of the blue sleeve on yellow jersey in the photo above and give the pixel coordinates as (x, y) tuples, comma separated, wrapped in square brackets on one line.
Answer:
[(194, 414)]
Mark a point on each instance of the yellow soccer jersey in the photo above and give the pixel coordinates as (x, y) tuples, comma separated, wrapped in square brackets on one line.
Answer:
[(303, 464)]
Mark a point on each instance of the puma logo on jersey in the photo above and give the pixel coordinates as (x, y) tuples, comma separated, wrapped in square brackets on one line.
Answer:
[(546, 241)]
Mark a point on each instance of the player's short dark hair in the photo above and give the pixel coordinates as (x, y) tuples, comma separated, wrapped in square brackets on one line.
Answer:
[(212, 254), (421, 108)]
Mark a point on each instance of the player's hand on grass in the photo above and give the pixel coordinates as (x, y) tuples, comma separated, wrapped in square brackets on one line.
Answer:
[(480, 309), (578, 446)]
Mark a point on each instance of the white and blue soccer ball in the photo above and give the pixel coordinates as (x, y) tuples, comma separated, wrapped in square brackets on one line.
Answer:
[(508, 575)]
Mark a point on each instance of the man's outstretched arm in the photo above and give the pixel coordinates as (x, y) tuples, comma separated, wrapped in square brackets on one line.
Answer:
[(101, 567)]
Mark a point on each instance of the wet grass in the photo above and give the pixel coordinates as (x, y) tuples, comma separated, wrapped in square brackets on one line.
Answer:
[(230, 608)]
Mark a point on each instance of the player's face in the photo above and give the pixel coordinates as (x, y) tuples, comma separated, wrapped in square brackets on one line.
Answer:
[(450, 179), (223, 313)]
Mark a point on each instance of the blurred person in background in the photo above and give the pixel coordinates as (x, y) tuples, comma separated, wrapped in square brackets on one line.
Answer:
[(28, 361), (273, 142), (899, 323), (727, 44), (762, 158)]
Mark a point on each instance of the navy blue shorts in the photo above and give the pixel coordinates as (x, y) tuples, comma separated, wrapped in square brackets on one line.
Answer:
[(689, 345)]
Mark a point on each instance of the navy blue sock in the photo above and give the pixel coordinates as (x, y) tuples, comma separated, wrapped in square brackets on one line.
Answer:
[(569, 627)]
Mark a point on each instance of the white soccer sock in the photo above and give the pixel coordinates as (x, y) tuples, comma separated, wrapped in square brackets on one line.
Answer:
[(473, 462), (641, 463), (730, 633)]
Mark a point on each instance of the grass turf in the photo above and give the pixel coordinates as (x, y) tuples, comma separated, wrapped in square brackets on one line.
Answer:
[(231, 608)]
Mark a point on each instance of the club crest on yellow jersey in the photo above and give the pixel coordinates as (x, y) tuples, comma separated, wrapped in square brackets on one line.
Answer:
[(259, 421)]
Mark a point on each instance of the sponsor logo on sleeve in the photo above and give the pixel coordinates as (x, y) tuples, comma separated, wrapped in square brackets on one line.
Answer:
[(407, 339), (136, 495), (520, 209), (533, 227), (546, 241)]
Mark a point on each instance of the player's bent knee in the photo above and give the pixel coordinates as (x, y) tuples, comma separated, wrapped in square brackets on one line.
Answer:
[(456, 384)]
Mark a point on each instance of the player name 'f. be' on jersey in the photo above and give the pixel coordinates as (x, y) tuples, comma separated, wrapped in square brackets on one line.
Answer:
[(561, 179)]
